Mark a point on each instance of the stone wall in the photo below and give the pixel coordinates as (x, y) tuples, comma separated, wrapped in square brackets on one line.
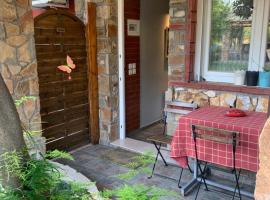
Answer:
[(214, 98), (106, 23), (262, 191), (18, 64), (177, 42)]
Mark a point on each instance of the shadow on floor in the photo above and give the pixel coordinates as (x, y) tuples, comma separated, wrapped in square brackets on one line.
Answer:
[(144, 133), (101, 164)]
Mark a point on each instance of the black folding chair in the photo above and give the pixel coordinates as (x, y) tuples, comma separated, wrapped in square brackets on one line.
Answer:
[(164, 139), (217, 136)]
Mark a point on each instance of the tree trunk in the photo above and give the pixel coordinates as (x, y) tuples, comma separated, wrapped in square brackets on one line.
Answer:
[(11, 134)]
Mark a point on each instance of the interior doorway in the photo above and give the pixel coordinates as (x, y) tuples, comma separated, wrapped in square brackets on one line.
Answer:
[(145, 67)]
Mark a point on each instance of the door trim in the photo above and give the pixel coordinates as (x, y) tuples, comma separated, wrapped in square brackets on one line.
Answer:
[(92, 74), (121, 64)]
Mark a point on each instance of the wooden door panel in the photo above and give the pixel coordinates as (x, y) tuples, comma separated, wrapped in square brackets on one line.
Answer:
[(64, 103)]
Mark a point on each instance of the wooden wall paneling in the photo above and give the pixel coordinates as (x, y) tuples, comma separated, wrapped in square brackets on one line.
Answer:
[(132, 55)]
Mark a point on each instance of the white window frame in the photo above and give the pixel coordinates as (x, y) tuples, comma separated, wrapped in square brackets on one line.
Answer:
[(257, 46)]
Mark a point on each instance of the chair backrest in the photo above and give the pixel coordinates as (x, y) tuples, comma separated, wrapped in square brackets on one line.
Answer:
[(178, 107), (215, 134)]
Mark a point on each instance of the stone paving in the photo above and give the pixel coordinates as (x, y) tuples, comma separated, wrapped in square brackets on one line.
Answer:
[(101, 164)]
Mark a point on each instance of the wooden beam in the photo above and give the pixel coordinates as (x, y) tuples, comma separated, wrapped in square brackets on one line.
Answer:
[(93, 74)]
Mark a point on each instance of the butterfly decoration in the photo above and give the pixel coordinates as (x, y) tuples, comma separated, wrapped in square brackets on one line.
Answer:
[(68, 67)]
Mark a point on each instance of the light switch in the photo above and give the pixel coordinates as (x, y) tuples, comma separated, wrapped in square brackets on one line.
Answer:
[(131, 69)]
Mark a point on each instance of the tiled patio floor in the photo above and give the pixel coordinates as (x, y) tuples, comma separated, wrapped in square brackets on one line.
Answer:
[(102, 163)]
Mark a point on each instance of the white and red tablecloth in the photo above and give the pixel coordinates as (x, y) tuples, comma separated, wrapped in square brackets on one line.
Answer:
[(247, 151)]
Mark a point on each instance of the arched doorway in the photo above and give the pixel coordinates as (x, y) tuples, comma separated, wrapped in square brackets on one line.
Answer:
[(64, 103)]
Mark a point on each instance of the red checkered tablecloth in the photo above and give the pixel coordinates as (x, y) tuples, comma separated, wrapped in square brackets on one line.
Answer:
[(247, 151)]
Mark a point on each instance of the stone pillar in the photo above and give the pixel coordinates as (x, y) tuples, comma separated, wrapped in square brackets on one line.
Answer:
[(177, 34), (262, 191), (177, 53), (107, 64), (18, 64)]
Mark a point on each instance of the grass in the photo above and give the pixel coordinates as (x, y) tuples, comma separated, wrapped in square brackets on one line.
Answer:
[(228, 66)]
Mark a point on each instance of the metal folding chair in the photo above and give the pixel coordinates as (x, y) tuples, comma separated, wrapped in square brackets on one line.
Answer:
[(164, 139), (218, 136)]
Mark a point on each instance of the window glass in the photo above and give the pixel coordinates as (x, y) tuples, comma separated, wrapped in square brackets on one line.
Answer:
[(267, 60), (230, 35)]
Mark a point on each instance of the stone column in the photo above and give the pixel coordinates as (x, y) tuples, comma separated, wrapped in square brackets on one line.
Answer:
[(262, 191), (177, 51), (107, 64), (18, 64), (177, 42)]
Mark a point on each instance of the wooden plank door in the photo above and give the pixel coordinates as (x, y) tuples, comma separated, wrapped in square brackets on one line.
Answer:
[(64, 102)]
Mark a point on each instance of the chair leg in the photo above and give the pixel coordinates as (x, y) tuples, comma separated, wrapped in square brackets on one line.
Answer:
[(202, 179), (203, 175), (189, 168), (159, 153), (198, 191), (179, 186), (237, 177), (154, 166)]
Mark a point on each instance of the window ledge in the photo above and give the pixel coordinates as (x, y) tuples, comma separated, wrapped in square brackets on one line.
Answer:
[(223, 87)]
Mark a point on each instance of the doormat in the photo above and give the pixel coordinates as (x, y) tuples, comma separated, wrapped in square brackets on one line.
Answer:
[(119, 156)]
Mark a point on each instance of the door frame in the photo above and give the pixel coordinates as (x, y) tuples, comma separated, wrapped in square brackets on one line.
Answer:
[(93, 99), (121, 74)]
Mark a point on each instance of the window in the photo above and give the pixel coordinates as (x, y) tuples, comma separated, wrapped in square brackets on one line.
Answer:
[(267, 59), (231, 36)]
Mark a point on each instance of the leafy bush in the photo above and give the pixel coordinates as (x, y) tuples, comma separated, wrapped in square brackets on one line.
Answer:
[(40, 179), (137, 192), (139, 165)]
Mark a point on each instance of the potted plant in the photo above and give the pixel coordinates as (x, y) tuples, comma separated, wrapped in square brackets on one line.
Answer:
[(252, 78), (239, 77), (264, 77)]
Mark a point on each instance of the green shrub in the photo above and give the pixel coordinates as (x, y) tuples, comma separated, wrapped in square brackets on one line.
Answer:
[(138, 192), (39, 179)]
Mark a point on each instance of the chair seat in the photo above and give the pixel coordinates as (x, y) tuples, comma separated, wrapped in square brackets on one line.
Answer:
[(162, 139)]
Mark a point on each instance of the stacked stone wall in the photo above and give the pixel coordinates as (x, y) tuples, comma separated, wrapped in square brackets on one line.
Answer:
[(177, 42), (214, 98), (18, 64), (106, 24)]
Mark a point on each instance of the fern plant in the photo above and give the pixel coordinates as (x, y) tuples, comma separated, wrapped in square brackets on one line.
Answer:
[(139, 165), (40, 179), (138, 192)]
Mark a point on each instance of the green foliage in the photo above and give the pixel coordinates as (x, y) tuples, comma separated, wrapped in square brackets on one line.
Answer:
[(40, 179), (219, 22), (138, 166), (58, 154), (24, 99), (266, 68), (243, 8), (29, 133), (138, 192), (12, 166)]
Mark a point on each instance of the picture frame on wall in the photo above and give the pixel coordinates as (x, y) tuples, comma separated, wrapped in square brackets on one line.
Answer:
[(133, 27), (50, 3)]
